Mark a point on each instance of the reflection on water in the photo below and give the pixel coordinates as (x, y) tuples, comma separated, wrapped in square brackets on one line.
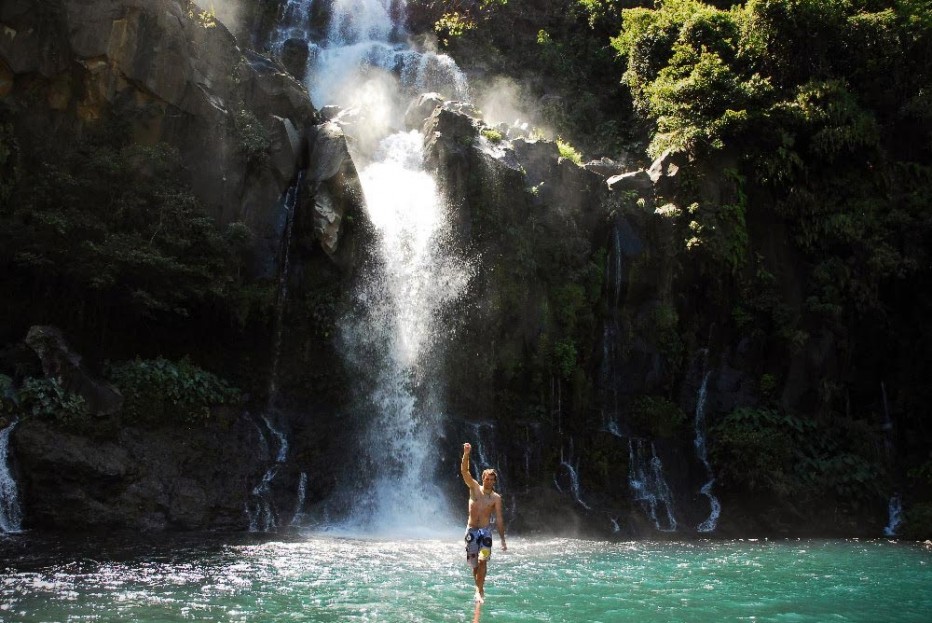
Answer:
[(320, 578)]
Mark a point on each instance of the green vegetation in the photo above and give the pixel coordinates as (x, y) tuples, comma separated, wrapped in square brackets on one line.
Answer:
[(492, 135), (569, 152), (657, 416), (558, 51), (158, 392), (46, 398), (764, 451), (111, 232), (254, 138)]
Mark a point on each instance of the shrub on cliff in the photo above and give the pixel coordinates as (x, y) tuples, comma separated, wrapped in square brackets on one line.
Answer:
[(158, 392), (814, 116), (766, 452), (112, 233), (46, 398)]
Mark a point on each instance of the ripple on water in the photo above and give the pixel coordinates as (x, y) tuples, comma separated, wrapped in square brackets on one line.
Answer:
[(323, 578)]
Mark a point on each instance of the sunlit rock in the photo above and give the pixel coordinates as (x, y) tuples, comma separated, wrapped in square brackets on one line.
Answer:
[(421, 109)]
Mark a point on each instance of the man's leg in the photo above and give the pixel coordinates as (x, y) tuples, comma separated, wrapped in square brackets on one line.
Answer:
[(480, 577)]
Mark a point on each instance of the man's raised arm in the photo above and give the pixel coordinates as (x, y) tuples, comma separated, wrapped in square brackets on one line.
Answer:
[(464, 467)]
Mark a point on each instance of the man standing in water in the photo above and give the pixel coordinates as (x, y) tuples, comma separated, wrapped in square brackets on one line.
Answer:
[(482, 501)]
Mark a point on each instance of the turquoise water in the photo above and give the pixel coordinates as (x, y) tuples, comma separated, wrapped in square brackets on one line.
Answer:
[(320, 578)]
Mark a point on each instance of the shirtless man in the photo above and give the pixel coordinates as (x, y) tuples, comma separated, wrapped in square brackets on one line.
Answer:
[(482, 501)]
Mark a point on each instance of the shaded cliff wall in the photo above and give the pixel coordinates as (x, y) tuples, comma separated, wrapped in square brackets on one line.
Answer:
[(113, 82)]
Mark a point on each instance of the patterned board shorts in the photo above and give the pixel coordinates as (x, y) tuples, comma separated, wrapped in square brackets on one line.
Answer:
[(478, 545)]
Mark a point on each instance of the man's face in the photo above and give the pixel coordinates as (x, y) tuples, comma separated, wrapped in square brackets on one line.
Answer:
[(488, 481)]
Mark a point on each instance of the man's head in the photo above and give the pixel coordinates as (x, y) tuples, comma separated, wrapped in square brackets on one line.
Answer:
[(489, 478)]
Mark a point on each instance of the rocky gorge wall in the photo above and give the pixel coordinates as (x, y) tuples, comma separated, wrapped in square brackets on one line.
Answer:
[(258, 159), (590, 342)]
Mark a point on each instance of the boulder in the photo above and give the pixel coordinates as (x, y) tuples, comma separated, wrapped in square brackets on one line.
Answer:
[(538, 157), (285, 148), (295, 53), (639, 182), (606, 167), (420, 109), (170, 478), (331, 186), (663, 171), (62, 363)]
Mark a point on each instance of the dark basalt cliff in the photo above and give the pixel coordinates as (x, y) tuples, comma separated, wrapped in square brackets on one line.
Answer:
[(618, 356)]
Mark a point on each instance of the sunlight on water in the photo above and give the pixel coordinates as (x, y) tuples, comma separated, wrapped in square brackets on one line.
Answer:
[(323, 578)]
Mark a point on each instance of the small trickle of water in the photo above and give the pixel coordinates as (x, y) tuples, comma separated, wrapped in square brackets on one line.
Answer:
[(710, 523), (289, 203), (260, 508), (648, 486), (575, 489), (895, 513), (11, 515), (483, 434), (298, 515)]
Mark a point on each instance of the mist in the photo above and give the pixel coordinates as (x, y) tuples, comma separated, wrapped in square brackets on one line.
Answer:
[(227, 12), (502, 100)]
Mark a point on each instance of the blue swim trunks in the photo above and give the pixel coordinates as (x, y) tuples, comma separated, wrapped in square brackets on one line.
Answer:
[(478, 545)]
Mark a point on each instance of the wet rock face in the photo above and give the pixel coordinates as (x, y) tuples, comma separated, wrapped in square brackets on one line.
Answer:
[(169, 76), (332, 191), (295, 53), (142, 479)]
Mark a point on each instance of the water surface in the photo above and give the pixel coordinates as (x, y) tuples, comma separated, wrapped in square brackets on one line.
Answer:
[(324, 578)]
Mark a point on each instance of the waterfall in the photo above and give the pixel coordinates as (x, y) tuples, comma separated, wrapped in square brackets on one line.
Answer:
[(895, 513), (393, 332), (483, 433), (295, 20), (259, 507), (709, 524), (572, 471), (298, 514), (895, 504), (645, 478), (11, 514), (289, 203)]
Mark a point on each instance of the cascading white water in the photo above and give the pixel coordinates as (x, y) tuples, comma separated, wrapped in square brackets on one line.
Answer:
[(646, 480), (482, 434), (398, 329), (11, 514), (895, 513), (572, 472), (645, 477), (259, 507), (298, 514), (710, 523), (294, 22), (895, 504), (361, 67)]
